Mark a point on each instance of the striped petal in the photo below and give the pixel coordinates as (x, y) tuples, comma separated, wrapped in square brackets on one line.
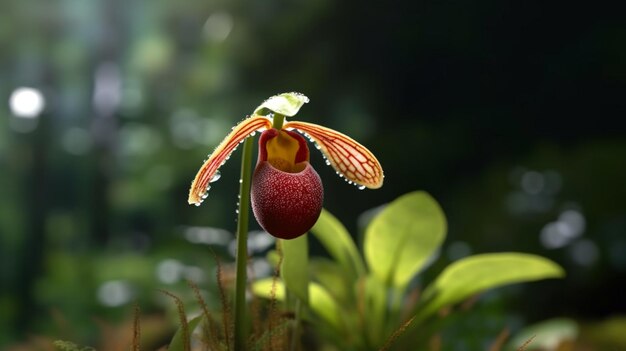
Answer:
[(207, 173), (349, 158)]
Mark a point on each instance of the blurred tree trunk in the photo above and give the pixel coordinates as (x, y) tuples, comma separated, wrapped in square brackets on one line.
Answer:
[(106, 98)]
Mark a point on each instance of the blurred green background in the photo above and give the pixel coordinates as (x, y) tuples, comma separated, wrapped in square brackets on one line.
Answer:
[(506, 112)]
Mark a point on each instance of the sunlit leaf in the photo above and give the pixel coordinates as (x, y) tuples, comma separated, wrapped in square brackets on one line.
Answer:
[(333, 278), (287, 104), (294, 267), (475, 274), (547, 335), (320, 301), (336, 239), (177, 343), (400, 239)]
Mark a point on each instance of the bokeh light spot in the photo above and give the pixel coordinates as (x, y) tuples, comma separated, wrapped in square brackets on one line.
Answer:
[(170, 271), (584, 252), (115, 293), (532, 182), (26, 102), (218, 26)]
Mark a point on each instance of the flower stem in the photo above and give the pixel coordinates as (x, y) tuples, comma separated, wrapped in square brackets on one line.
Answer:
[(295, 339), (277, 121), (242, 247)]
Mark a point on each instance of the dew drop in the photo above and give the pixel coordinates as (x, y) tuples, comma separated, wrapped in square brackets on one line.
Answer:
[(215, 177), (240, 181), (205, 195), (253, 133), (317, 146), (237, 211), (197, 204), (361, 187), (327, 162)]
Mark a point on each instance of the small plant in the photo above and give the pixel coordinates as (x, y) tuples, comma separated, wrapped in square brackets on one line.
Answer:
[(365, 302), (287, 193)]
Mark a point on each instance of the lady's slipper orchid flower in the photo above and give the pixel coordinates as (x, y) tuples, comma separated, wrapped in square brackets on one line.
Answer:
[(287, 193)]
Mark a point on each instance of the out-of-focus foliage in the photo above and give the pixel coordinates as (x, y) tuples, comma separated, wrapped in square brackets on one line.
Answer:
[(507, 112)]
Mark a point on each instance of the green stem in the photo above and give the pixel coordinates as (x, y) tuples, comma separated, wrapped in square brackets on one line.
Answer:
[(277, 121), (242, 247), (296, 328)]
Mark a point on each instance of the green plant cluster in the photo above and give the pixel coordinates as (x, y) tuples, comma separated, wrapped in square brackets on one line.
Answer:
[(367, 301)]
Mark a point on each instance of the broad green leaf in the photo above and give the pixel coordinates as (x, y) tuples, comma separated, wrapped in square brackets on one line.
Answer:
[(336, 239), (177, 343), (295, 266), (475, 274), (320, 301), (547, 335), (403, 236), (333, 278), (287, 104)]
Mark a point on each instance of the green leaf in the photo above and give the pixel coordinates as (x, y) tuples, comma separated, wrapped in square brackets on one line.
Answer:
[(295, 265), (333, 278), (547, 335), (70, 346), (475, 274), (287, 104), (403, 236), (339, 244), (177, 343), (375, 308), (320, 301)]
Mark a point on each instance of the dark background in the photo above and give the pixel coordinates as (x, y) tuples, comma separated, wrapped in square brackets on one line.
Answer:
[(508, 113)]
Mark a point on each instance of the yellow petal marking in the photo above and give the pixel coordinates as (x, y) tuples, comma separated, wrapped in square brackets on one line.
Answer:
[(221, 153), (281, 153), (347, 156)]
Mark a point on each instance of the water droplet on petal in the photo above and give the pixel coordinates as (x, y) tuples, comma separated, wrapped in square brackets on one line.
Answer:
[(317, 146), (361, 187), (197, 204), (215, 177), (327, 162), (237, 211), (253, 133), (205, 195), (240, 181)]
